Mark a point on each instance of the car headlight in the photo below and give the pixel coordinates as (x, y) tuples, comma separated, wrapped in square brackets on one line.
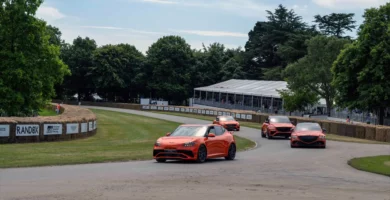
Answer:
[(294, 137), (322, 136), (189, 144), (157, 144)]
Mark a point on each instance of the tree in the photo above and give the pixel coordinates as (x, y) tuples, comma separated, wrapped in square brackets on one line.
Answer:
[(116, 70), (231, 70), (171, 59), (268, 37), (55, 35), (362, 69), (79, 58), (313, 72), (335, 24), (298, 100), (30, 65)]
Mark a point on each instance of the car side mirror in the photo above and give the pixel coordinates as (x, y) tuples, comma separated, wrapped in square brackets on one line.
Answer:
[(211, 135), (168, 134), (324, 130), (267, 121)]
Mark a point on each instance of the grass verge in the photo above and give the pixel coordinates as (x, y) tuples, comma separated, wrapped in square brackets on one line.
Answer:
[(375, 164), (258, 126), (47, 112), (120, 137)]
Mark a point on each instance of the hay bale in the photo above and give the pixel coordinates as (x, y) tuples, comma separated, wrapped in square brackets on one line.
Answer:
[(370, 132), (382, 134)]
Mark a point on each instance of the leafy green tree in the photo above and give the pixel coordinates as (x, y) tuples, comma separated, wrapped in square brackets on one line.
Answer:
[(55, 35), (268, 37), (232, 70), (362, 69), (116, 71), (298, 100), (335, 24), (30, 64), (313, 72), (171, 61), (79, 58)]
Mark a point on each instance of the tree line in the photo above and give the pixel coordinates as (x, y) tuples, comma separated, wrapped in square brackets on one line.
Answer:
[(317, 61)]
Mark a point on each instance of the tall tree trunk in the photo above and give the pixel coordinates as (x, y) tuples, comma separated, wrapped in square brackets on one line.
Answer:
[(328, 106)]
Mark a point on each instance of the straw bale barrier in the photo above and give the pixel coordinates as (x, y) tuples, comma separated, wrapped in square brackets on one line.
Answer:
[(74, 122), (358, 130)]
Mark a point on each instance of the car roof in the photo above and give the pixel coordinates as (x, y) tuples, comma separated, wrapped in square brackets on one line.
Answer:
[(198, 125), (308, 123)]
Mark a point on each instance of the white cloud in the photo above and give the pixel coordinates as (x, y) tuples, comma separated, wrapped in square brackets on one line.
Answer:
[(349, 4), (160, 1), (49, 14), (212, 33), (125, 29)]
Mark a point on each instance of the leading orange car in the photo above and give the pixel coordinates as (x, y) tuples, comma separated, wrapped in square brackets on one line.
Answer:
[(228, 122), (308, 134), (195, 142)]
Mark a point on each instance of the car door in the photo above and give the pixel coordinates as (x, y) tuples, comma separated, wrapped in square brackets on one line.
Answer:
[(211, 142), (222, 141)]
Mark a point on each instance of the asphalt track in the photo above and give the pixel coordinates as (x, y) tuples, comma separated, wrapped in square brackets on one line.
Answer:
[(270, 171)]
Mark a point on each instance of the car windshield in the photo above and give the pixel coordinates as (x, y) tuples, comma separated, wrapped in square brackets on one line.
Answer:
[(193, 131), (280, 120), (308, 127), (227, 118)]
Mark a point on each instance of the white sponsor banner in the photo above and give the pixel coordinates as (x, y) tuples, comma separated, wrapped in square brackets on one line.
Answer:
[(72, 128), (238, 116), (172, 108), (145, 107), (183, 109), (27, 130), (4, 130), (90, 126), (94, 125), (223, 113), (195, 110), (207, 112), (52, 129), (243, 116), (190, 110), (219, 113), (166, 108), (203, 112), (249, 117), (160, 108), (154, 107), (84, 127), (177, 109), (199, 111)]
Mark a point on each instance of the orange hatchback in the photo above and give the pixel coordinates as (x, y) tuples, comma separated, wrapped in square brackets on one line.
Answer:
[(195, 142), (308, 134), (228, 122)]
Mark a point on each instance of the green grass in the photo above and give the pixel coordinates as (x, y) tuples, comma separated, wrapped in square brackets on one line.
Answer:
[(329, 136), (47, 112), (120, 137), (375, 164)]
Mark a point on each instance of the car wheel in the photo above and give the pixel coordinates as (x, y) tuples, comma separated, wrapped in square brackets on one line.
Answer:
[(231, 152), (268, 136), (202, 154), (323, 147), (160, 160), (238, 130), (262, 134), (292, 146)]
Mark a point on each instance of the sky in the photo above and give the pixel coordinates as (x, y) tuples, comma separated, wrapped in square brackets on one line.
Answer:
[(143, 22)]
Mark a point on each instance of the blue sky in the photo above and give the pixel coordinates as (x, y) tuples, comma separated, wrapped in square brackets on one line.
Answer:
[(142, 22)]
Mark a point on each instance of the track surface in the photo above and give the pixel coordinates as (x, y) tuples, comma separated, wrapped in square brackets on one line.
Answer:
[(270, 171)]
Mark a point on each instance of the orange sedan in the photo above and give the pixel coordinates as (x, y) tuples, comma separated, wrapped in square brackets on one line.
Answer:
[(276, 126), (308, 134), (195, 142), (228, 122)]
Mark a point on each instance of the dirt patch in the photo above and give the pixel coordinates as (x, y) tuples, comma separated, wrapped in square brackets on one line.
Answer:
[(387, 163)]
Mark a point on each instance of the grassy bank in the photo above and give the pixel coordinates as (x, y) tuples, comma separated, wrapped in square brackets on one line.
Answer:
[(375, 164), (329, 136), (47, 112), (120, 137)]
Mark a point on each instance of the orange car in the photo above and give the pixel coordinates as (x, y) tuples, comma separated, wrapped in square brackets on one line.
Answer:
[(195, 142), (228, 122), (275, 126), (308, 134)]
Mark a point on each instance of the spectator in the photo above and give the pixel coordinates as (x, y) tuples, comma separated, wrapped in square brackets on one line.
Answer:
[(348, 120)]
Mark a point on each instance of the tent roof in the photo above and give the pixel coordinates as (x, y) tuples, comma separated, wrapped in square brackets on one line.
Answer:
[(247, 87)]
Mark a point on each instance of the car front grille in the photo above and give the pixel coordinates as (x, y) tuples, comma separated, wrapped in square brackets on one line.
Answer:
[(178, 153), (284, 129), (308, 139)]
